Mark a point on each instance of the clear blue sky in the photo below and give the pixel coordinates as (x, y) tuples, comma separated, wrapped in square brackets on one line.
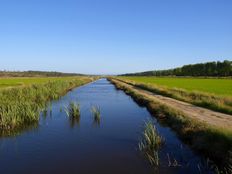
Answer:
[(113, 36)]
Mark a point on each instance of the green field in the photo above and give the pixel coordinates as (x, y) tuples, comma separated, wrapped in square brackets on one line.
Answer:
[(215, 86), (22, 81)]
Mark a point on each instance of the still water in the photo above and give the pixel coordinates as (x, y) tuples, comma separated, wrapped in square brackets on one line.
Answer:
[(60, 145)]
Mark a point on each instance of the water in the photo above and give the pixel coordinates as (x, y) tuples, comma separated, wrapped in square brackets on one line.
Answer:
[(59, 145)]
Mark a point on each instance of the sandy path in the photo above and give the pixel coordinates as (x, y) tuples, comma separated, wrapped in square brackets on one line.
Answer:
[(201, 114)]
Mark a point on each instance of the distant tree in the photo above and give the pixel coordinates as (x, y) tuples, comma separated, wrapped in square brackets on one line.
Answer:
[(221, 69)]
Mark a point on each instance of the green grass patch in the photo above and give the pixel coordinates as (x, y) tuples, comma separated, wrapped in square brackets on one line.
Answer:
[(208, 85), (25, 81)]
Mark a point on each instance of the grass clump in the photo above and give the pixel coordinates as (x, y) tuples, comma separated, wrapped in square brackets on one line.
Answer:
[(151, 143), (96, 113), (73, 110)]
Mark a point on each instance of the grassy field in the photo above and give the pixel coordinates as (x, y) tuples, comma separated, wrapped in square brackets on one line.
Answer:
[(24, 81), (214, 86), (214, 94), (20, 107)]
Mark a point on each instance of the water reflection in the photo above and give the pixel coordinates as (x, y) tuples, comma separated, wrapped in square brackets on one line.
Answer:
[(44, 113), (19, 130), (96, 122), (46, 110), (50, 109), (50, 113), (74, 121)]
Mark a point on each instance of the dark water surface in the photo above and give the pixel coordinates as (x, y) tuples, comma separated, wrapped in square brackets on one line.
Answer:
[(60, 145)]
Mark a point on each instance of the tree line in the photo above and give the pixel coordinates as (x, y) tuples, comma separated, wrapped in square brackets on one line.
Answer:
[(35, 74), (212, 69)]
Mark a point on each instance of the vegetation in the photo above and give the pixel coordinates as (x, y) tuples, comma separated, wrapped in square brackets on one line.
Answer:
[(151, 143), (20, 107), (213, 69), (73, 110), (213, 142), (35, 74), (214, 86), (213, 101), (96, 113), (26, 81)]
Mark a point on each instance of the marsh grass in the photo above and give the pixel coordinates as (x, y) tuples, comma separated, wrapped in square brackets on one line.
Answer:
[(74, 113), (215, 143), (73, 110), (96, 111), (151, 143), (21, 106)]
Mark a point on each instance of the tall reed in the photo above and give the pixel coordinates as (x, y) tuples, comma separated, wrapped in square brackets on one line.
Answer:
[(151, 143), (73, 110), (96, 113)]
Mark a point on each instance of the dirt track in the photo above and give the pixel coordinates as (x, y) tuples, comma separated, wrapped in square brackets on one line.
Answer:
[(201, 114)]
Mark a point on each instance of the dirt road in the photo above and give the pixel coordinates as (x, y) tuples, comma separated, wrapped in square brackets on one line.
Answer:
[(201, 114)]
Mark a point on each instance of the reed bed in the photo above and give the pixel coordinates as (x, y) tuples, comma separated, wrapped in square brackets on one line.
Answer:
[(96, 111), (74, 113), (21, 106), (73, 110), (151, 143)]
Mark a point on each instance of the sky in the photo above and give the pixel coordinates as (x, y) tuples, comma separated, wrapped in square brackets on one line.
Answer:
[(113, 36)]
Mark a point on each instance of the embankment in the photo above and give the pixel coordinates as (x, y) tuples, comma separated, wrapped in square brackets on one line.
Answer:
[(206, 131)]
